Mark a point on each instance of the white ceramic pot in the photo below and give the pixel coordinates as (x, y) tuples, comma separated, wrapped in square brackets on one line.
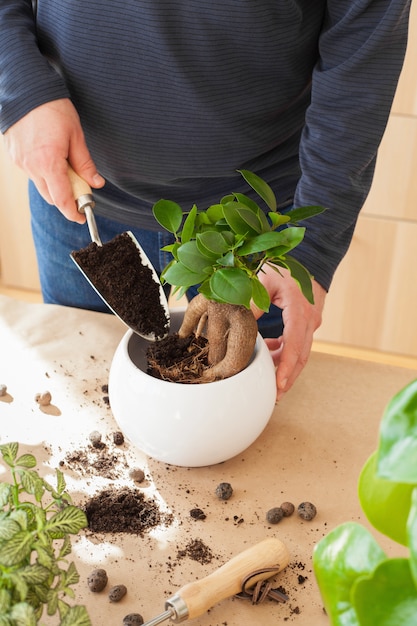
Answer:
[(190, 425)]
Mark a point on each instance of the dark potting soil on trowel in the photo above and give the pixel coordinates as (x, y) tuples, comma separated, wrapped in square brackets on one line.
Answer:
[(117, 272)]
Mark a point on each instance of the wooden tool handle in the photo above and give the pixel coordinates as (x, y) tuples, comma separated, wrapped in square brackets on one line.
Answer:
[(79, 186), (227, 581)]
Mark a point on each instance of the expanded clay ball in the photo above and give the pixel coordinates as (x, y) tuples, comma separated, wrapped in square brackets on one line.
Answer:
[(95, 438), (3, 390), (133, 619), (118, 438), (97, 580), (137, 474), (224, 491), (274, 515), (117, 592), (44, 398), (288, 508), (307, 511)]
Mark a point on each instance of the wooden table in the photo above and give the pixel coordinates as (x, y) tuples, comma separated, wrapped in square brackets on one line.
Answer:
[(312, 450)]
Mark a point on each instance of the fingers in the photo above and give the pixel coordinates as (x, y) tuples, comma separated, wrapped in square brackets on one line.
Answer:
[(291, 351), (42, 143)]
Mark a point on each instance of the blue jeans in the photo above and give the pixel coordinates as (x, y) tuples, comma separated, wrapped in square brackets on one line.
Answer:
[(55, 238)]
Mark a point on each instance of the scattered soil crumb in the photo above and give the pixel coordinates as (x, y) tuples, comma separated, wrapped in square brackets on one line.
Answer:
[(97, 460), (198, 551), (123, 511)]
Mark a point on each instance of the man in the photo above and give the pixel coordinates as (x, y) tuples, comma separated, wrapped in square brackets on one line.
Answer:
[(150, 99)]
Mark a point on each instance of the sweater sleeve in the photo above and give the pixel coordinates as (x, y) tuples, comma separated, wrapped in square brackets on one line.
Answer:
[(361, 52), (27, 79)]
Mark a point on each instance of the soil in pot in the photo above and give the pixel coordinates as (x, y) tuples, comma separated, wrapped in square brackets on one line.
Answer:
[(178, 359)]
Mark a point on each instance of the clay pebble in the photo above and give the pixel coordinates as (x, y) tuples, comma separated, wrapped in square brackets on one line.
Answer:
[(137, 474), (117, 592), (97, 580), (307, 511), (44, 398), (118, 438), (288, 508), (274, 515), (95, 438), (224, 491), (133, 619)]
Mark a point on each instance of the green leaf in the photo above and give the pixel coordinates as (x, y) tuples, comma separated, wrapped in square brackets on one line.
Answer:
[(379, 498), (189, 225), (60, 482), (304, 213), (212, 244), (261, 187), (288, 238), (278, 219), (397, 450), (347, 553), (71, 576), (179, 275), (32, 483), (26, 460), (5, 601), (190, 256), (215, 213), (387, 597), (69, 520), (168, 214), (412, 535), (16, 549), (243, 199), (45, 557), (241, 220), (5, 490), (232, 285), (8, 528), (76, 616), (34, 574), (260, 295), (66, 547), (23, 614), (300, 275), (9, 452)]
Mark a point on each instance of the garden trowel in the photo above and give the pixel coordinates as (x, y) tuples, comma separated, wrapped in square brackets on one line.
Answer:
[(121, 273), (242, 572)]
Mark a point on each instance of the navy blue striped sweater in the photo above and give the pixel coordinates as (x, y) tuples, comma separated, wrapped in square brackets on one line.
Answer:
[(175, 96)]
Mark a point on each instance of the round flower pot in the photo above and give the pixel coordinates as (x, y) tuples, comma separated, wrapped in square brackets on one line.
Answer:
[(190, 425)]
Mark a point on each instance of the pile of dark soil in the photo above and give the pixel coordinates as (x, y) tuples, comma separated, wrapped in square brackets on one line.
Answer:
[(178, 359), (123, 511), (117, 272), (197, 551)]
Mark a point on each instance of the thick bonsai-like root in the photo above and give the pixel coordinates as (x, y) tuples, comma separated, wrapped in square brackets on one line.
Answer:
[(231, 334)]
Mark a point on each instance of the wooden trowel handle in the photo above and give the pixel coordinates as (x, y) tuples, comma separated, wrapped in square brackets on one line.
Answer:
[(81, 189), (197, 597), (84, 198)]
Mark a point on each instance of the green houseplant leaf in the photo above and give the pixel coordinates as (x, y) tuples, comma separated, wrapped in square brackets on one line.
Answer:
[(397, 451), (346, 553), (412, 536), (261, 187), (168, 214), (380, 497), (388, 596)]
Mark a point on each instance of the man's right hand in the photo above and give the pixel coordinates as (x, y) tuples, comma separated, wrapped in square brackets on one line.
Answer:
[(42, 143)]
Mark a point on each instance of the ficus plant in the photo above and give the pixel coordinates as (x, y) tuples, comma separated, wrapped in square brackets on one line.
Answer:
[(224, 249), (36, 521), (359, 584)]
